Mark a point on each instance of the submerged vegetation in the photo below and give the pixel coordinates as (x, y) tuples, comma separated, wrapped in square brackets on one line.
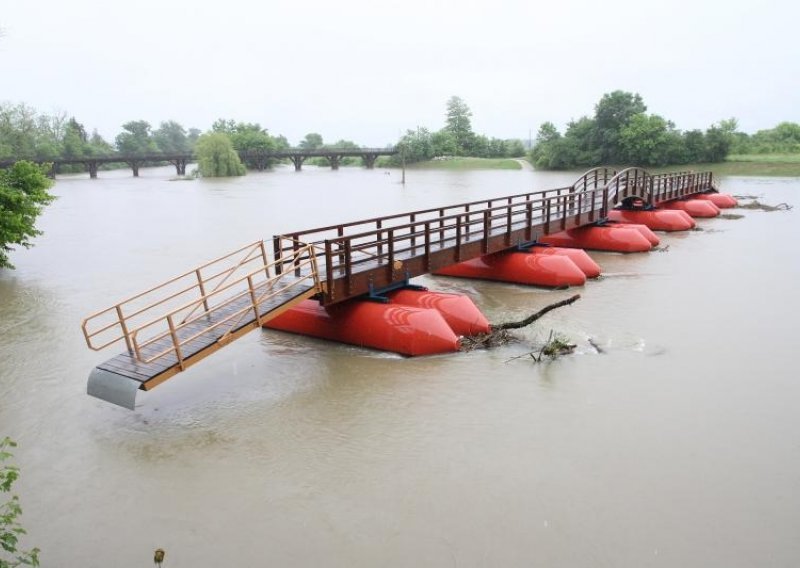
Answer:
[(10, 511)]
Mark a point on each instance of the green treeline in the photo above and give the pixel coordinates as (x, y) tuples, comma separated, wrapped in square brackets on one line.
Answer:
[(456, 138), (27, 134), (622, 132)]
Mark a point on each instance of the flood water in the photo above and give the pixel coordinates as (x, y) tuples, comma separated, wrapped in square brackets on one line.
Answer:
[(677, 445)]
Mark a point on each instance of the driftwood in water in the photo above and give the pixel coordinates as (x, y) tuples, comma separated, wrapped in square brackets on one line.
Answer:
[(500, 335), (530, 319), (756, 204)]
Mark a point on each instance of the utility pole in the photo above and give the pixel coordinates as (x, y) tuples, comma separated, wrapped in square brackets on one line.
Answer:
[(403, 158)]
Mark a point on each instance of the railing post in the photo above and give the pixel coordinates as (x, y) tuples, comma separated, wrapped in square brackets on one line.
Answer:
[(413, 219), (329, 269), (295, 254), (263, 257), (173, 333), (276, 251), (203, 288), (124, 328), (441, 226), (487, 228), (547, 213), (458, 238), (253, 299), (348, 266), (508, 223), (379, 236), (428, 245), (391, 255), (528, 219)]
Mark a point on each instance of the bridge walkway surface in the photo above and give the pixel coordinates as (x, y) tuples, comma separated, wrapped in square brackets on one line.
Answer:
[(177, 324)]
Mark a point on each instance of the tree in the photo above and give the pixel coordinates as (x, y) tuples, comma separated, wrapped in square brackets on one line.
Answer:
[(10, 511), (312, 141), (614, 111), (216, 156), (76, 142), (458, 125), (23, 195), (136, 139), (171, 138)]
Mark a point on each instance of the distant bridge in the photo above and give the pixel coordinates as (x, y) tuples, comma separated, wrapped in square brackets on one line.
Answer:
[(260, 158)]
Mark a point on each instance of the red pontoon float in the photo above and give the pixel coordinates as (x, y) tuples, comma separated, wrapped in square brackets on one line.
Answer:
[(458, 310), (655, 219), (389, 327), (552, 271), (600, 237)]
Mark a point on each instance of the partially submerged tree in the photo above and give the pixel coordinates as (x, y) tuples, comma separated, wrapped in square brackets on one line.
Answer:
[(216, 156), (23, 195)]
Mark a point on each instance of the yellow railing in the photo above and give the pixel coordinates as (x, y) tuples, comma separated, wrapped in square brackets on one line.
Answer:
[(195, 304)]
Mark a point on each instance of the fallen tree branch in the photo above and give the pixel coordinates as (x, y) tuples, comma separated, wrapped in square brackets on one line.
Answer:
[(499, 335), (530, 319), (756, 204)]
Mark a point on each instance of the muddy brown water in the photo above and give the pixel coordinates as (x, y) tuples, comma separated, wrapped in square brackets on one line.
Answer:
[(676, 446)]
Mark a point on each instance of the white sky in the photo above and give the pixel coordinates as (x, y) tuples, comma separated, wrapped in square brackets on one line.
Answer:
[(368, 70)]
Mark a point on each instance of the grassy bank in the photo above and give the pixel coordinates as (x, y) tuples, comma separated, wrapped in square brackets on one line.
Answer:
[(779, 165), (468, 164)]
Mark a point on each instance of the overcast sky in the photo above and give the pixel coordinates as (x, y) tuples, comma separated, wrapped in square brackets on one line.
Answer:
[(365, 70)]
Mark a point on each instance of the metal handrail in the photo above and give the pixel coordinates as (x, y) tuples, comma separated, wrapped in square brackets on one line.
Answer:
[(254, 305), (215, 282)]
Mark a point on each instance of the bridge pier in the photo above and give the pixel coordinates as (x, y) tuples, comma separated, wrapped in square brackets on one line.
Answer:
[(135, 167), (92, 167), (53, 170), (369, 160), (297, 160), (335, 160)]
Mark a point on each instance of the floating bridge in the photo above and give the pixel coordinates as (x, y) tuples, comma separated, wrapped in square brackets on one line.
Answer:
[(172, 326)]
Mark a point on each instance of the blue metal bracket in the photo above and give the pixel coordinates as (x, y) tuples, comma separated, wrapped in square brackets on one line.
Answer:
[(379, 294)]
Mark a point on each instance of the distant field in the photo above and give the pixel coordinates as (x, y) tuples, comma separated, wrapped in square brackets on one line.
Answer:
[(469, 164)]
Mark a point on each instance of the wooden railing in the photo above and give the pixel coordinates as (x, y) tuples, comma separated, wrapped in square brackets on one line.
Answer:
[(364, 255)]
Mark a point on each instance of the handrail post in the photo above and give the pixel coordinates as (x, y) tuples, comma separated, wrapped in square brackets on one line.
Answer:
[(547, 214), (458, 238), (253, 299), (329, 269), (173, 333), (508, 223), (379, 236), (202, 287), (427, 245), (391, 255), (528, 219), (263, 257), (295, 254), (487, 228), (276, 249), (124, 328), (348, 266)]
